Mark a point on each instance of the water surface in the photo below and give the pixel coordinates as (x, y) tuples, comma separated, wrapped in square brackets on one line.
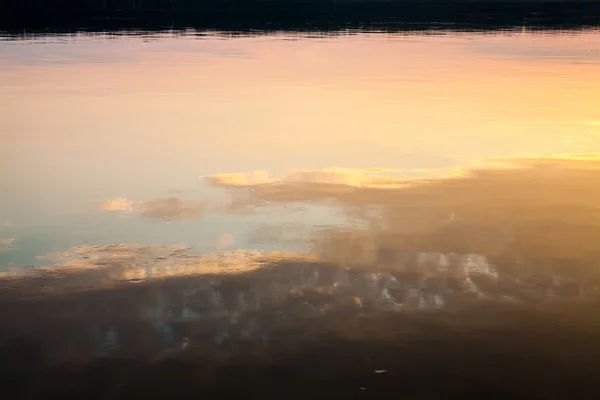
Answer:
[(202, 189)]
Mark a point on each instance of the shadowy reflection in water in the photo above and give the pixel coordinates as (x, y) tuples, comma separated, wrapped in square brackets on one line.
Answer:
[(485, 284)]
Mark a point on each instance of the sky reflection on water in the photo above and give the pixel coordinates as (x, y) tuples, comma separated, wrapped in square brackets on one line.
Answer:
[(204, 189)]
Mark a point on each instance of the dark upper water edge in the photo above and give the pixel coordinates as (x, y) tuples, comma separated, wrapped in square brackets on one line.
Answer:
[(37, 16)]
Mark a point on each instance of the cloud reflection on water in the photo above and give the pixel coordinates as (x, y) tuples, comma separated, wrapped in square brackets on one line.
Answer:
[(171, 208), (543, 210), (530, 218), (519, 231)]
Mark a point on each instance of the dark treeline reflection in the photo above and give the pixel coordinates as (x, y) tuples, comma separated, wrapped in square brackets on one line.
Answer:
[(294, 328), (480, 285), (46, 17)]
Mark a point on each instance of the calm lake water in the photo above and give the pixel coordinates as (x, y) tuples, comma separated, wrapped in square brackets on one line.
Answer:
[(376, 171), (158, 139)]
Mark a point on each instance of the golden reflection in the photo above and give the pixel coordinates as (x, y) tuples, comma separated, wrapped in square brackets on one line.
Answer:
[(335, 176), (120, 204), (431, 102), (108, 266), (526, 215), (171, 208)]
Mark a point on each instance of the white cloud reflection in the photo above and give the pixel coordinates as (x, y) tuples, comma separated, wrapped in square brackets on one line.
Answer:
[(171, 208), (7, 243)]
